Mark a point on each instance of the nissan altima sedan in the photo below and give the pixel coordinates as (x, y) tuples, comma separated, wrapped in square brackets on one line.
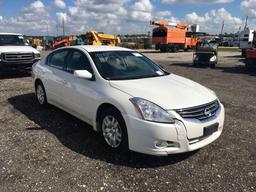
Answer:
[(132, 101)]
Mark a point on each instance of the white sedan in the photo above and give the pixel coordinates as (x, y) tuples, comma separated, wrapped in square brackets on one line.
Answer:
[(133, 102)]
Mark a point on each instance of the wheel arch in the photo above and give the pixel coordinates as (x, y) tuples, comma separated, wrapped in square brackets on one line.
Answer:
[(37, 81), (100, 109)]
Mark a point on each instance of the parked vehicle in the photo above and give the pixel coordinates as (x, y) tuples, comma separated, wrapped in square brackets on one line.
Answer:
[(62, 43), (15, 53), (206, 53), (250, 55), (99, 38), (132, 101), (173, 36), (246, 38)]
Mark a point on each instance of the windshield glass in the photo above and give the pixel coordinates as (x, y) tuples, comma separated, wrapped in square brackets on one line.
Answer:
[(123, 65), (11, 40)]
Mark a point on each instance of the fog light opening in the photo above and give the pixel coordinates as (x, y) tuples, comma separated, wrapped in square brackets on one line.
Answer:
[(165, 144), (173, 144), (161, 144)]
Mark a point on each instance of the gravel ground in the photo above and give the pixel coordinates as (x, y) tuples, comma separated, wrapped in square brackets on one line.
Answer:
[(49, 150)]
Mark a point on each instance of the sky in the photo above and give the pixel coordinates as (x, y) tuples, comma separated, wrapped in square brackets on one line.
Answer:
[(42, 17)]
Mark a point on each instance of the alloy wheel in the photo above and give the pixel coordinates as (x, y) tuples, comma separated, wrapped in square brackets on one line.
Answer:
[(112, 131)]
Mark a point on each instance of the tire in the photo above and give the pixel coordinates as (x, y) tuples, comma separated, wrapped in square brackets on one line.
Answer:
[(163, 49), (41, 95), (243, 52), (195, 63), (175, 49), (212, 65), (249, 63), (113, 130)]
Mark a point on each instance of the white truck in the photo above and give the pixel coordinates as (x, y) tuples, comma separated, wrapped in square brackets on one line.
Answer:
[(246, 38), (15, 53)]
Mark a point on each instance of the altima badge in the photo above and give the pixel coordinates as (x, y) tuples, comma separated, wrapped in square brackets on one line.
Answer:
[(207, 112)]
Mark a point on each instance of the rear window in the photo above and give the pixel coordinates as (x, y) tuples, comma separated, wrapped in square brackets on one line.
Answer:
[(58, 59)]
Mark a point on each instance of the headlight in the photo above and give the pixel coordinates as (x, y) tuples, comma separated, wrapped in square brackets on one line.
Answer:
[(213, 58), (37, 55), (151, 112)]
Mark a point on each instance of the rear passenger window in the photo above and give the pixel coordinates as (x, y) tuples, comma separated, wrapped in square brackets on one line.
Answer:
[(78, 61), (58, 59)]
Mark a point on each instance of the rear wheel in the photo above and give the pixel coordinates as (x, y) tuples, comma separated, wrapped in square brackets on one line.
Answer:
[(41, 95), (175, 48), (249, 63), (114, 130), (163, 49)]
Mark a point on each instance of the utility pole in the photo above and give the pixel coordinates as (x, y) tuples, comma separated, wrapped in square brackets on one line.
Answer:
[(47, 29), (222, 27), (63, 25), (246, 22), (57, 27)]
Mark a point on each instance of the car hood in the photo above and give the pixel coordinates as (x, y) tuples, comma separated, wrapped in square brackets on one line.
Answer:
[(19, 49), (169, 92)]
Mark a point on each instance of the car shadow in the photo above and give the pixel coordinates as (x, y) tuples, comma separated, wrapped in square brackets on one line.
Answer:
[(14, 73), (234, 56), (80, 138)]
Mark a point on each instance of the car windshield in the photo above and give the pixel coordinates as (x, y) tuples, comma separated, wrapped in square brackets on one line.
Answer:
[(123, 65), (11, 40)]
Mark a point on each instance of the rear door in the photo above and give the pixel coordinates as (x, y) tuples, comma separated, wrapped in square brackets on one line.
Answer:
[(55, 80)]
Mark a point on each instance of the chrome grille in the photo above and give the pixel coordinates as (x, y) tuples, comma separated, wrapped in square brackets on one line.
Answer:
[(201, 112), (18, 57)]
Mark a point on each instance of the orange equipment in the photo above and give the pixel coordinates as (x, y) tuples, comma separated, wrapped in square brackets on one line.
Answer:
[(62, 43), (173, 36), (250, 55)]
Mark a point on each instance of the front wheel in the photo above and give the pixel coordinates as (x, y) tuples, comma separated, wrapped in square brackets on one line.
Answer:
[(212, 65), (114, 130)]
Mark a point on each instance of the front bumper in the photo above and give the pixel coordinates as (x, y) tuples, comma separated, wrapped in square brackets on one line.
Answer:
[(145, 136)]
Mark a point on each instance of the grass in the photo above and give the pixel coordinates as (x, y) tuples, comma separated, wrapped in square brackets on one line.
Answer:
[(229, 49)]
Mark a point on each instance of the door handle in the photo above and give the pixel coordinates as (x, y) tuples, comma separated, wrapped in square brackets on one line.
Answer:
[(64, 82)]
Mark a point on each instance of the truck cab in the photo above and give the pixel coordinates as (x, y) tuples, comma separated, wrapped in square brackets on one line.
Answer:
[(15, 53), (250, 54)]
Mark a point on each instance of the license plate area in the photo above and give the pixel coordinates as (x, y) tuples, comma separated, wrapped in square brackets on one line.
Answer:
[(210, 129)]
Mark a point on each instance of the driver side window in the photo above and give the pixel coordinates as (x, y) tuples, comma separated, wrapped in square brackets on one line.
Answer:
[(78, 61)]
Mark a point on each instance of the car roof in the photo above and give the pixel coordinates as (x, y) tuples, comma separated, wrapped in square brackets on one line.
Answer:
[(98, 48), (10, 34)]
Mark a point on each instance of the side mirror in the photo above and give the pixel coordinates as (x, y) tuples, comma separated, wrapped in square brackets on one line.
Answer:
[(83, 74)]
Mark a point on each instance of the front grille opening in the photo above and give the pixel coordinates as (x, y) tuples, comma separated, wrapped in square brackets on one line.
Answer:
[(18, 57), (201, 112)]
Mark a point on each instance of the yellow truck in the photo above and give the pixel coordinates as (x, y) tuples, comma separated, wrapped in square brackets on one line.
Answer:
[(97, 38)]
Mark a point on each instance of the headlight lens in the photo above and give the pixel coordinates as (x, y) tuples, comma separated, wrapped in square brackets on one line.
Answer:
[(37, 55), (151, 112), (213, 58)]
